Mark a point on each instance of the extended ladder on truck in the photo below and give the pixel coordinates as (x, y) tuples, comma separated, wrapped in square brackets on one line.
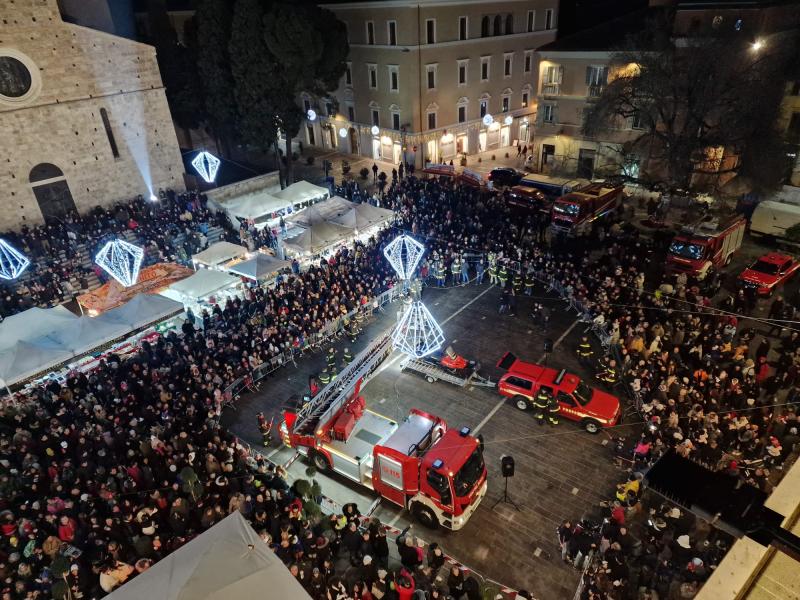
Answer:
[(332, 396), (435, 373)]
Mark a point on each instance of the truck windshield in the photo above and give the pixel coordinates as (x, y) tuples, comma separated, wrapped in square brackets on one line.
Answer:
[(763, 266), (469, 474), (566, 209), (582, 393), (687, 250)]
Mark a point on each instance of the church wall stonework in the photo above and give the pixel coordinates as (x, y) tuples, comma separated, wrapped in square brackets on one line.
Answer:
[(74, 73)]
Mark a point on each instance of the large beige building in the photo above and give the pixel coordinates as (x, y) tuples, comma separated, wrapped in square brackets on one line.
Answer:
[(84, 119), (433, 79)]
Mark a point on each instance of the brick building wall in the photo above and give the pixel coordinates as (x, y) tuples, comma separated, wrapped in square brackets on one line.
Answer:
[(75, 77)]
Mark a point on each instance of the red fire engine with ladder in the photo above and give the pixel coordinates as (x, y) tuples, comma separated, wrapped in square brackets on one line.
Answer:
[(437, 473)]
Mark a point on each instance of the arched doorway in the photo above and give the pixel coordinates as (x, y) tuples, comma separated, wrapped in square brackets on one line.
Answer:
[(52, 192), (354, 141)]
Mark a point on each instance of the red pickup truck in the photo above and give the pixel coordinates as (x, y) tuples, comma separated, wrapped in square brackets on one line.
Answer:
[(591, 407)]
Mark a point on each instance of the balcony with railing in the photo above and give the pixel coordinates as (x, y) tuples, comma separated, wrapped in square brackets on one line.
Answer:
[(551, 89), (595, 91)]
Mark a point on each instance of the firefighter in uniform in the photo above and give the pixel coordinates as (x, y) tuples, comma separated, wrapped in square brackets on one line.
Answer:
[(585, 352), (493, 271), (455, 269), (502, 276), (552, 411), (324, 377), (265, 429), (529, 281), (441, 274), (541, 403), (517, 283), (347, 357), (331, 358), (609, 374)]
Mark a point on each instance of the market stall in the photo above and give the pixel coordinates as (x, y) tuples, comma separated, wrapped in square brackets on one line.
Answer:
[(262, 266), (320, 237), (302, 193), (217, 254), (204, 285)]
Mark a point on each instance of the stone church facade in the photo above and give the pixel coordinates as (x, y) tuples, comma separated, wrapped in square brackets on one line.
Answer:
[(84, 119)]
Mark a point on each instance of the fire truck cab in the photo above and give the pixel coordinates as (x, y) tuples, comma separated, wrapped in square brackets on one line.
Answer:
[(575, 212), (710, 245), (591, 407)]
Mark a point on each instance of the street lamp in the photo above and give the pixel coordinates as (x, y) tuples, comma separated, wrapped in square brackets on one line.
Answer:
[(757, 45)]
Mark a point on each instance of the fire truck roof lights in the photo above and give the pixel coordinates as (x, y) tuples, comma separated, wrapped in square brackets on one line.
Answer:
[(438, 463), (464, 431)]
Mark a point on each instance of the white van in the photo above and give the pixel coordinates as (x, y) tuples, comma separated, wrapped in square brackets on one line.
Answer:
[(772, 218)]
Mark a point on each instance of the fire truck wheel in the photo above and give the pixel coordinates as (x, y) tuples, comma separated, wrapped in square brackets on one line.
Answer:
[(430, 379), (591, 425), (521, 402), (320, 461), (425, 516)]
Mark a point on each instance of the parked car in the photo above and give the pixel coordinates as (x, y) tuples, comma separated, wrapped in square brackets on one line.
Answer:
[(504, 177), (768, 272)]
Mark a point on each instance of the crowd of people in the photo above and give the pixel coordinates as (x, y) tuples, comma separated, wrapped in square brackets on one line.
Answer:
[(111, 470)]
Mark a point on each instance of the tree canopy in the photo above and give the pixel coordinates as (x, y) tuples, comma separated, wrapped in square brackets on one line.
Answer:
[(689, 97)]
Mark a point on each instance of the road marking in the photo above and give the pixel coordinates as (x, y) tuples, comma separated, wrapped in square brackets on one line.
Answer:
[(503, 399), (399, 356)]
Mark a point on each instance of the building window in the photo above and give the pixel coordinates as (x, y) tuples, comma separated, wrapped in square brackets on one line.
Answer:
[(392, 33), (485, 60), (330, 110), (463, 30), (430, 31), (462, 72), (373, 76), (394, 78), (348, 74), (507, 60), (485, 27), (376, 117), (370, 33), (509, 24), (528, 61), (484, 108), (548, 19), (396, 120), (109, 132), (498, 25), (551, 82), (524, 99), (431, 120), (636, 121), (548, 113), (506, 103), (462, 113), (596, 79), (431, 76), (351, 113), (531, 20)]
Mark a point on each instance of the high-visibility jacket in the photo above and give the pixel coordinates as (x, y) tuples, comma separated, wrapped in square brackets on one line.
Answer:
[(529, 280), (503, 275), (553, 406), (585, 350), (347, 356), (542, 400)]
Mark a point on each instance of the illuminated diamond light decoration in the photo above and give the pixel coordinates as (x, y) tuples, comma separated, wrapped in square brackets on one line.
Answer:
[(12, 261), (417, 334), (121, 260), (404, 254), (206, 165)]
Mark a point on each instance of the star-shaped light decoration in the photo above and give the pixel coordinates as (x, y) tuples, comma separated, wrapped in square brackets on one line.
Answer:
[(12, 261), (404, 254), (121, 260), (417, 334), (206, 165)]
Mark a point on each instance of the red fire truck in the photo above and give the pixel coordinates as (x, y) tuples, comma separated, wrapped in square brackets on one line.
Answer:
[(708, 246), (437, 473), (575, 212), (591, 407)]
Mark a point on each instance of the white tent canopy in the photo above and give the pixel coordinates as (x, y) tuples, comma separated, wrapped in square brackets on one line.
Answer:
[(27, 358), (227, 562), (301, 192), (308, 216), (317, 238), (142, 310), (362, 217), (254, 205), (86, 333), (262, 266), (200, 285), (33, 323), (219, 253)]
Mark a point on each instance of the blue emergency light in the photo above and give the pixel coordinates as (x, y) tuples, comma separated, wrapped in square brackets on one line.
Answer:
[(464, 431), (438, 464)]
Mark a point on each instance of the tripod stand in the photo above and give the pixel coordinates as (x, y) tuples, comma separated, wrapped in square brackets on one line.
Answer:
[(505, 498)]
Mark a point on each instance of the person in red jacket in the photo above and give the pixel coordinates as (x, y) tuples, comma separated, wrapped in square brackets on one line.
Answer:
[(404, 585), (66, 529)]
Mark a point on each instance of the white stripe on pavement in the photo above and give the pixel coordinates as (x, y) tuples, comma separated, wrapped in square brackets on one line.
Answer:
[(503, 399)]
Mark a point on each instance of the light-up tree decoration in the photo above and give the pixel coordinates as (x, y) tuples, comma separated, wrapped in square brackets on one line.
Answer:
[(121, 260), (206, 165), (12, 261), (417, 334), (404, 254)]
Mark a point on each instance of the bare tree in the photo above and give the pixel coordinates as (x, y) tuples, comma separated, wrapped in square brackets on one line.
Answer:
[(702, 104)]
